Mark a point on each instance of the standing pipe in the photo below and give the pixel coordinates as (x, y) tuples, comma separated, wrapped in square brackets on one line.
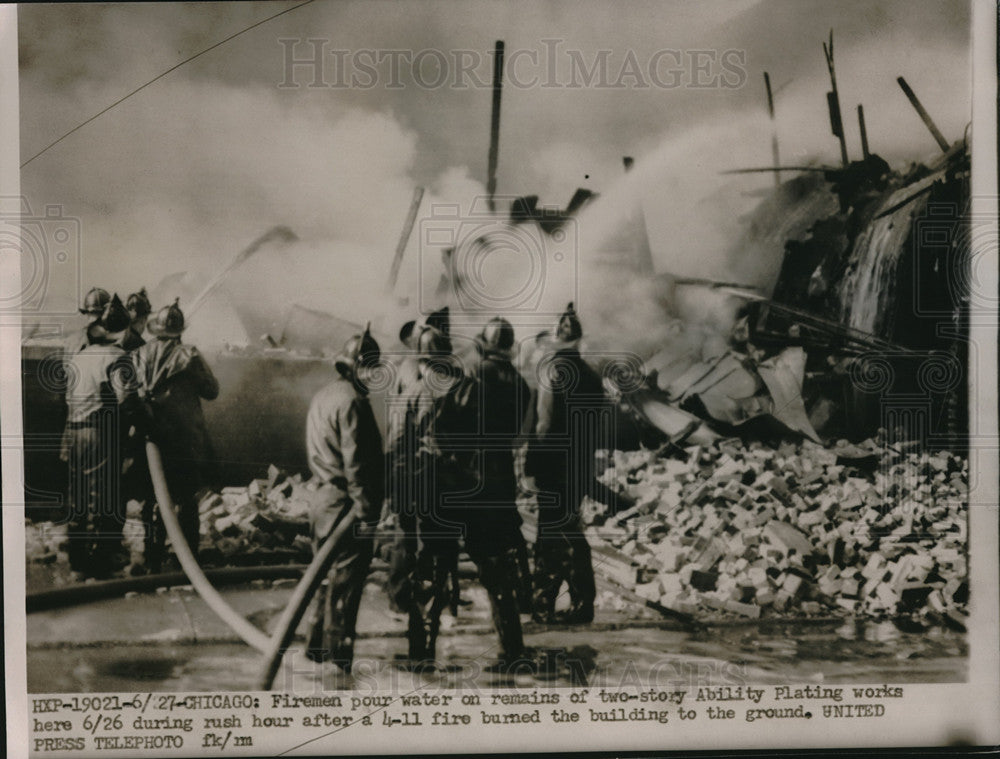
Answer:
[(833, 101), (774, 132), (491, 171), (864, 132)]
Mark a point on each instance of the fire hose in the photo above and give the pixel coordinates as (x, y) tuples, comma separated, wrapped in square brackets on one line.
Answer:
[(272, 647), (304, 592)]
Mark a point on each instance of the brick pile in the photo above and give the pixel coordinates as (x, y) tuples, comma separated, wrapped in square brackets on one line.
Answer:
[(743, 529), (266, 522)]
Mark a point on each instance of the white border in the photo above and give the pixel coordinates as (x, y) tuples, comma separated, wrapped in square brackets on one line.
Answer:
[(984, 515), (970, 710), (10, 419)]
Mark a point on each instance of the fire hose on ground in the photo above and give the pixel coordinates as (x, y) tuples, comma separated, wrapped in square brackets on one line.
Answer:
[(80, 593), (304, 592), (272, 647)]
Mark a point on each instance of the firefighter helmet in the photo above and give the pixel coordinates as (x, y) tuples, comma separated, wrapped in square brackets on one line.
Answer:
[(439, 320), (115, 318), (569, 329), (96, 301), (359, 351), (168, 322), (138, 304), (497, 336), (432, 343)]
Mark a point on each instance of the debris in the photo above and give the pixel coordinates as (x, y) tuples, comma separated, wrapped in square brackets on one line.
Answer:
[(731, 388), (266, 522), (703, 581), (740, 528)]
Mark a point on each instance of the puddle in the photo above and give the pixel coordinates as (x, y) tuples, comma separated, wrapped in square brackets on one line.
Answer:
[(141, 668), (123, 669), (834, 652)]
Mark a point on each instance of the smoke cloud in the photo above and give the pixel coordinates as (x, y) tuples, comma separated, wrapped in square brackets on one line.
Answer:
[(173, 183)]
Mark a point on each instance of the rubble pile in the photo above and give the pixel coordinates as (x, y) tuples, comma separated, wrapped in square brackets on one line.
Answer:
[(266, 522), (744, 529), (44, 541), (730, 527)]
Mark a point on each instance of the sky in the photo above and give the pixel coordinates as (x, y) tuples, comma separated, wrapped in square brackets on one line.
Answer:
[(183, 175)]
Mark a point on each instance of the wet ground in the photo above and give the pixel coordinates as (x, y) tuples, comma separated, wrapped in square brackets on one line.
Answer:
[(170, 641)]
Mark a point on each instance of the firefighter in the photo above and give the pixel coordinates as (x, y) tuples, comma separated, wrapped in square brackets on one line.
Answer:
[(139, 309), (95, 429), (94, 305), (428, 466), (136, 484), (344, 448), (560, 458), (172, 379), (493, 536), (407, 374), (409, 333), (440, 320)]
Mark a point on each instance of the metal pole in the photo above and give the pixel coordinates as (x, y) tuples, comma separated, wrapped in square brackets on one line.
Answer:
[(491, 172), (774, 132), (928, 121), (864, 132), (833, 101)]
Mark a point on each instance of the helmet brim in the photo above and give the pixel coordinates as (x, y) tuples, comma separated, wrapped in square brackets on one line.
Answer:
[(160, 330)]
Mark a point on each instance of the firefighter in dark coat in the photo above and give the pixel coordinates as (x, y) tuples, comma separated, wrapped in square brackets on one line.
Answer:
[(344, 447), (409, 334), (493, 536), (407, 375), (432, 427), (172, 379), (139, 309), (92, 446), (136, 484), (561, 460)]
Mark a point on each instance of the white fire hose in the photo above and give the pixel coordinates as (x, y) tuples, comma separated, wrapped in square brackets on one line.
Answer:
[(272, 647)]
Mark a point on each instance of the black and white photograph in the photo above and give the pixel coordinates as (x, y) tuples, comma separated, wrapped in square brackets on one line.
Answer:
[(408, 377)]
